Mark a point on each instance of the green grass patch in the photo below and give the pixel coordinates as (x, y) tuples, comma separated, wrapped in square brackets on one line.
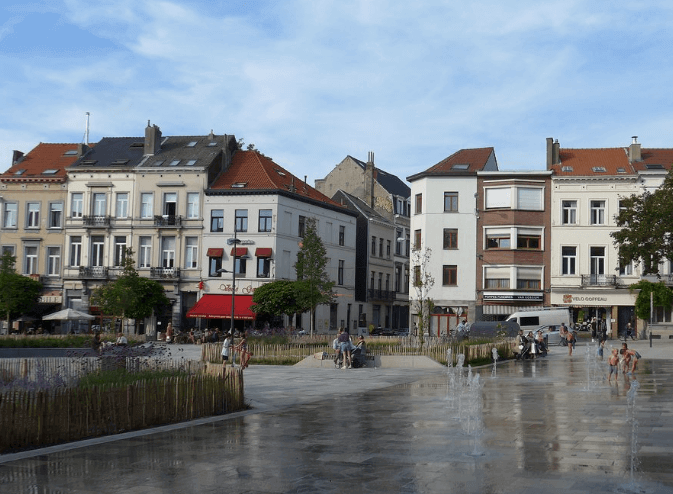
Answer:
[(120, 377), (66, 341)]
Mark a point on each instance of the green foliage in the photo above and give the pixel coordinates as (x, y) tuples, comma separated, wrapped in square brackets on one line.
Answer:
[(121, 378), (646, 234), (130, 295), (313, 285), (663, 297), (277, 298), (18, 293)]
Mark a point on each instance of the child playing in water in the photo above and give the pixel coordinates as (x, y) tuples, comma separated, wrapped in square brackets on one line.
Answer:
[(613, 362)]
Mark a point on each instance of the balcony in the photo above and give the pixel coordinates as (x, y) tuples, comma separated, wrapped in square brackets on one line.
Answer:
[(165, 273), (168, 221), (96, 221), (381, 295), (95, 272), (599, 280)]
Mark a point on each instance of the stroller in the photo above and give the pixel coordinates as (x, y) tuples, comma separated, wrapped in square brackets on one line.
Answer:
[(358, 358), (525, 351)]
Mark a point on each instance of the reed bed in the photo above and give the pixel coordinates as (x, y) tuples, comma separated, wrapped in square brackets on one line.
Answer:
[(30, 418)]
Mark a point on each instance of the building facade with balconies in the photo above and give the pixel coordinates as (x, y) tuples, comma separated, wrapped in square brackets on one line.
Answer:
[(588, 186), (33, 193)]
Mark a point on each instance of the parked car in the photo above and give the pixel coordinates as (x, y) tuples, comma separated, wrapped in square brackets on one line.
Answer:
[(492, 328)]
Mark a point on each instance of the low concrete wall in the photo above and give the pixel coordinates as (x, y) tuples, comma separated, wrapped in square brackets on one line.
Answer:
[(380, 362)]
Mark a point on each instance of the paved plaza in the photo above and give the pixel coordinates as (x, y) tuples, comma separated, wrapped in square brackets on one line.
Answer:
[(550, 425)]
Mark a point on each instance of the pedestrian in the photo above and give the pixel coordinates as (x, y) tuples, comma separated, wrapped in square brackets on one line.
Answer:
[(226, 350), (345, 347), (629, 332), (95, 342), (571, 337), (601, 345), (613, 363), (336, 346), (242, 348)]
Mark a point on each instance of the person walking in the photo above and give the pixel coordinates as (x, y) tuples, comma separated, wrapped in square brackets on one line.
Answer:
[(226, 350), (345, 347)]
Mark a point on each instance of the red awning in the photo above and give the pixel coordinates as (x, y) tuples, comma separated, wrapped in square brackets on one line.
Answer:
[(219, 307), (213, 252), (239, 251), (263, 252)]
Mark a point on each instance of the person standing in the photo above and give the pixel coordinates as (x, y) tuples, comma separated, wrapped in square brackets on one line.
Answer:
[(571, 338), (345, 347), (337, 347), (613, 362), (226, 350)]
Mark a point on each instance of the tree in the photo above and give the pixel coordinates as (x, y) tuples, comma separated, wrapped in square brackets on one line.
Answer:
[(18, 294), (277, 298), (646, 234), (422, 282), (313, 284), (130, 296), (662, 296)]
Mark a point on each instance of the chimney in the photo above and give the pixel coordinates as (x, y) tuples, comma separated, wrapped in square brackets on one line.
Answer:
[(152, 139), (553, 152), (82, 150), (16, 157), (369, 180), (634, 150)]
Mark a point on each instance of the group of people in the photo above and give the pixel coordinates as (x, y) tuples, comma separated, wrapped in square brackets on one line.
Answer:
[(343, 346), (228, 349), (623, 360), (531, 344)]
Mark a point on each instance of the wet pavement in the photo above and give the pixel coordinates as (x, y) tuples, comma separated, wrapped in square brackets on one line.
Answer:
[(548, 425)]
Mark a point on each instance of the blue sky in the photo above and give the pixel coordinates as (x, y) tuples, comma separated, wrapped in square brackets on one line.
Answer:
[(311, 81)]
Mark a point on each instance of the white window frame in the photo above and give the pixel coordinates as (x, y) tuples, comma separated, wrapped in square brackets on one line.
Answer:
[(33, 215), (122, 205), (76, 204), (53, 261), (145, 252), (168, 252), (597, 211), (192, 205), (569, 212), (146, 205), (10, 215), (75, 251), (30, 253), (568, 261), (99, 204), (97, 251), (191, 252), (120, 250), (55, 213)]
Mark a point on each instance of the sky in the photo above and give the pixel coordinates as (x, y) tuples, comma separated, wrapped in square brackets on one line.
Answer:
[(309, 82)]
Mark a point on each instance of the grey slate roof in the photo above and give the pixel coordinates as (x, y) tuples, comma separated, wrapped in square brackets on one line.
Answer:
[(388, 181)]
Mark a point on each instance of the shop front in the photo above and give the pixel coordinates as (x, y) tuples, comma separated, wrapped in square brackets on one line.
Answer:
[(612, 309)]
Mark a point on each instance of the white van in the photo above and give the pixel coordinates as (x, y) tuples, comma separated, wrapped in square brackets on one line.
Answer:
[(531, 320)]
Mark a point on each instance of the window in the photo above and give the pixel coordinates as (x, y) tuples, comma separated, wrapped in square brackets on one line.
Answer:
[(265, 220), (170, 204), (75, 251), (99, 204), (192, 205), (597, 212), (241, 220), (342, 235), (498, 197), (168, 252), (340, 274), (214, 265), (120, 251), (30, 260), (597, 259), (450, 238), (388, 249), (380, 281), (419, 203), (380, 247), (191, 252), (146, 205), (11, 210), (373, 253), (626, 269), (449, 275), (399, 239), (530, 242), (568, 260), (7, 249), (76, 205), (240, 265), (497, 283), (498, 241), (145, 258), (302, 226), (122, 207), (417, 239), (569, 212), (398, 278), (529, 198), (450, 202), (53, 261), (33, 217), (523, 284), (55, 214), (263, 267), (371, 280), (387, 282), (217, 220), (514, 197), (97, 248)]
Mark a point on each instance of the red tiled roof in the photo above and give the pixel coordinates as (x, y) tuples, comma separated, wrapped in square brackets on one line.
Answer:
[(583, 161), (476, 159), (654, 157), (42, 157), (258, 172)]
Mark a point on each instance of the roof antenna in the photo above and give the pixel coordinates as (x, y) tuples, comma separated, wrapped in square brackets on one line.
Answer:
[(86, 130)]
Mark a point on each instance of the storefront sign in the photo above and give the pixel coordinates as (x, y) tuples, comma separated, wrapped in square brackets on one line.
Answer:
[(245, 289), (535, 297), (587, 298), (53, 299)]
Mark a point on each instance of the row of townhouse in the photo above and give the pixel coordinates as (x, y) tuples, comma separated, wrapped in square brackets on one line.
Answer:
[(70, 211), (507, 241)]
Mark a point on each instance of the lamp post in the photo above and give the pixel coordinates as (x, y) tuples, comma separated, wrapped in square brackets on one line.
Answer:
[(235, 241)]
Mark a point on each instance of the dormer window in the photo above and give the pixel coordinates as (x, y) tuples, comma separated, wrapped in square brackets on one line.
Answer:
[(191, 162), (566, 168), (654, 167), (20, 172), (70, 152), (598, 169), (119, 162), (621, 170), (239, 185), (174, 163), (461, 166), (50, 172), (191, 144), (212, 144), (280, 172)]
